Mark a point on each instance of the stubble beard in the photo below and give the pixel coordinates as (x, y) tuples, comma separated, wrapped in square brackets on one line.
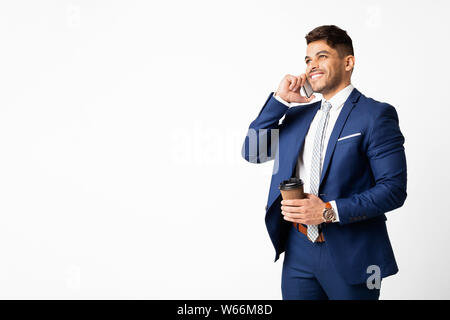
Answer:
[(330, 85)]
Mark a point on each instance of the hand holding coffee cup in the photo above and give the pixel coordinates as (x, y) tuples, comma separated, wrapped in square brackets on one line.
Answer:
[(309, 212), (292, 189)]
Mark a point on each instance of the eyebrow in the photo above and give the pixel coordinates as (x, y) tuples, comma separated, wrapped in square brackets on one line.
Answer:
[(322, 51)]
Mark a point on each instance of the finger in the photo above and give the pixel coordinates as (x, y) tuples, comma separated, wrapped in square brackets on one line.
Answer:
[(299, 83), (294, 215), (293, 208), (290, 209), (310, 98), (293, 83), (295, 220), (287, 202), (303, 79), (294, 202)]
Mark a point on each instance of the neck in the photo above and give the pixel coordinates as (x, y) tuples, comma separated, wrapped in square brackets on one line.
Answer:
[(330, 94)]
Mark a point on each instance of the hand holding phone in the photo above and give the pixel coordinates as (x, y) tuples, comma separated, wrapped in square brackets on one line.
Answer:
[(289, 89), (307, 88)]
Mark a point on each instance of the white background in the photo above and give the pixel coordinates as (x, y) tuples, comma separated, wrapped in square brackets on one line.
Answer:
[(114, 115)]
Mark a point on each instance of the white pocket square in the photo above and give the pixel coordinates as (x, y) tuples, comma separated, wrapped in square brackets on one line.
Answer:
[(350, 136)]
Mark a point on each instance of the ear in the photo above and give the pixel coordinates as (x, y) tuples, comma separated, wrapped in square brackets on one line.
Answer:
[(349, 63)]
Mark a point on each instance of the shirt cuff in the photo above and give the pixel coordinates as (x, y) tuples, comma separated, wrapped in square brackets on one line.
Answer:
[(287, 104), (334, 206)]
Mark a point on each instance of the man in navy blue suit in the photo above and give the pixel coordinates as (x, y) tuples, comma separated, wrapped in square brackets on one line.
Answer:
[(348, 151)]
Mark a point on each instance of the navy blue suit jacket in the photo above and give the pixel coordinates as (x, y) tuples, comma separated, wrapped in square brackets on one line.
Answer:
[(365, 174)]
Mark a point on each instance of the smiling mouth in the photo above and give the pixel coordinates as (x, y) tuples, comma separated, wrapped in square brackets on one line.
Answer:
[(316, 76)]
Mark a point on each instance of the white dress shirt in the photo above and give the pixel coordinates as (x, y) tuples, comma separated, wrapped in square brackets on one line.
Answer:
[(303, 168)]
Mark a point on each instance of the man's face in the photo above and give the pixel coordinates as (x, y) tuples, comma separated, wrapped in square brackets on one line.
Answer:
[(325, 70)]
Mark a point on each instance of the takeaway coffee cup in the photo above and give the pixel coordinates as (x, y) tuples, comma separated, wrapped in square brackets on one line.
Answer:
[(292, 189)]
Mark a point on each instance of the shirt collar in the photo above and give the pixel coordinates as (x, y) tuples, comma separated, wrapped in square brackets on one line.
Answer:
[(338, 100)]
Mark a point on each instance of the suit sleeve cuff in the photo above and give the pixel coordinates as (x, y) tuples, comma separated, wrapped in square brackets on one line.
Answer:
[(334, 206), (287, 104)]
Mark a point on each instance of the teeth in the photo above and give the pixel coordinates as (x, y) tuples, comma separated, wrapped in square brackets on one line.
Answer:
[(316, 75)]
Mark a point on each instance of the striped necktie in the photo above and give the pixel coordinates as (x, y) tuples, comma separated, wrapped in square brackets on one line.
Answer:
[(316, 164)]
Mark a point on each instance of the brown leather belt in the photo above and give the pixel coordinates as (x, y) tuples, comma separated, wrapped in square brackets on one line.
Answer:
[(303, 229)]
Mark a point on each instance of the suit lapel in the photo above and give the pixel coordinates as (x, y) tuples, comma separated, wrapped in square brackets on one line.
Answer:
[(343, 115), (300, 127), (302, 130)]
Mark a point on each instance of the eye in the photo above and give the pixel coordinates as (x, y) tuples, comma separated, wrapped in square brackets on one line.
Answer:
[(322, 55), (307, 61)]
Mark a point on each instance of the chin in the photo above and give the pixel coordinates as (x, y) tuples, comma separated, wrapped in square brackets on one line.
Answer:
[(320, 85), (319, 89)]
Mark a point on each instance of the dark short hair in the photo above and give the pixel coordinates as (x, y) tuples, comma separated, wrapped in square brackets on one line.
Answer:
[(336, 38)]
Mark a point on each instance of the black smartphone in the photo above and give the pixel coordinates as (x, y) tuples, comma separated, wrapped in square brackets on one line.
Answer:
[(308, 89)]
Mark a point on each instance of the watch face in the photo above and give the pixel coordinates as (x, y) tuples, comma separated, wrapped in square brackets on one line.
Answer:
[(329, 215)]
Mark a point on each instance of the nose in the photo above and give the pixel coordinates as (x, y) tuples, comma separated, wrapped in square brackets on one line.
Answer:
[(313, 65)]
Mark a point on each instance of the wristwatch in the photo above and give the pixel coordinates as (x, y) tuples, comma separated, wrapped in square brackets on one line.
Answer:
[(328, 213)]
